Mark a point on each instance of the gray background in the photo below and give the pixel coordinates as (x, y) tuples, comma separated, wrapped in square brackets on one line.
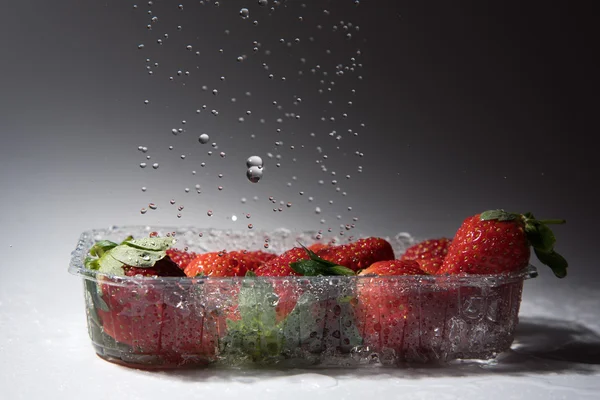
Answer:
[(466, 107)]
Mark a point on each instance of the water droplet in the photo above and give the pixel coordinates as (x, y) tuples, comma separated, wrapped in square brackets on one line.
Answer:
[(155, 165), (143, 165), (254, 161), (140, 46), (244, 13), (204, 138), (143, 211), (144, 188), (263, 2), (209, 213), (152, 206), (254, 173)]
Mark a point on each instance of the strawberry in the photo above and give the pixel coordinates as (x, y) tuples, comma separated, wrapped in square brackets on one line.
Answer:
[(359, 254), (393, 267), (497, 241), (181, 257), (383, 305), (280, 265), (430, 265), (317, 246), (430, 248), (224, 263), (163, 267), (149, 319), (261, 256)]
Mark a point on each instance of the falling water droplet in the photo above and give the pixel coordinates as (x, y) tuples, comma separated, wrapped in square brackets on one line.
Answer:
[(254, 161), (254, 173), (204, 138)]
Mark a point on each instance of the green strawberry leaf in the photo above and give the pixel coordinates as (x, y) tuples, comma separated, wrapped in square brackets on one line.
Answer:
[(150, 243), (316, 266), (341, 270), (109, 265), (101, 247), (499, 215), (256, 334), (136, 257), (91, 263), (540, 236), (555, 261), (96, 295)]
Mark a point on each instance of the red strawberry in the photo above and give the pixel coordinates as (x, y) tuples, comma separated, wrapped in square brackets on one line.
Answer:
[(280, 265), (383, 304), (155, 321), (430, 265), (393, 267), (224, 263), (359, 254), (181, 257), (317, 246), (261, 256), (496, 241), (430, 248)]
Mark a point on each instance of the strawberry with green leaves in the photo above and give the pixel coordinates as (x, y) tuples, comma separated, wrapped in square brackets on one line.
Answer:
[(144, 317), (497, 241)]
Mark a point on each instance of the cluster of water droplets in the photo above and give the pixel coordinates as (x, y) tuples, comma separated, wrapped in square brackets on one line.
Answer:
[(318, 91)]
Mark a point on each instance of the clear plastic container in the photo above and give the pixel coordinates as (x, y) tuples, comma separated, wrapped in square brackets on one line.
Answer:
[(322, 321)]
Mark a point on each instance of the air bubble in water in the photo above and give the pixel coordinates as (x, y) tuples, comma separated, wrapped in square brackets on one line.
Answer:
[(204, 138), (254, 173)]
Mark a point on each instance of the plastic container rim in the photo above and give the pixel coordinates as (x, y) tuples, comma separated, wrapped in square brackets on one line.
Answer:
[(86, 239)]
